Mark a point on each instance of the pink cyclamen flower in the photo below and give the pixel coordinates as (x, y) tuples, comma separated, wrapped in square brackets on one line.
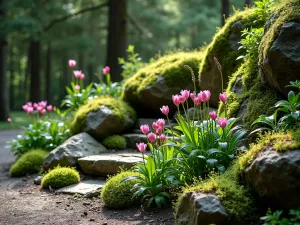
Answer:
[(152, 137), (197, 100), (185, 94), (106, 70), (82, 76), (176, 100), (145, 129), (162, 138), (43, 111), (159, 130), (77, 73), (49, 108), (155, 125), (165, 109), (9, 120), (72, 63), (213, 115), (29, 110), (223, 97), (222, 122), (141, 147), (77, 87), (192, 95), (161, 123)]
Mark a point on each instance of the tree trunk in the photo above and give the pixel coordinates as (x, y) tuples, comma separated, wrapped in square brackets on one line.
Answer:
[(224, 11), (64, 77), (11, 79), (48, 79), (117, 36), (4, 99), (247, 2), (35, 79)]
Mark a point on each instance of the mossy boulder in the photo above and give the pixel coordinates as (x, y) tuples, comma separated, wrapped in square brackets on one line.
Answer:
[(28, 163), (119, 195), (224, 47), (279, 53), (115, 142), (60, 177), (153, 86), (103, 117)]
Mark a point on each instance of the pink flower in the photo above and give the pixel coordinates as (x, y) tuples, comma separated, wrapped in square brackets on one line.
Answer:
[(176, 100), (222, 122), (39, 108), (162, 138), (152, 137), (155, 125), (161, 123), (72, 63), (197, 100), (159, 130), (9, 120), (35, 105), (185, 94), (208, 94), (29, 110), (77, 87), (165, 109), (43, 111), (25, 107), (106, 70), (223, 97), (213, 115), (81, 77), (182, 99), (145, 128), (29, 104), (204, 95), (43, 104), (192, 95), (141, 147), (77, 73), (49, 108)]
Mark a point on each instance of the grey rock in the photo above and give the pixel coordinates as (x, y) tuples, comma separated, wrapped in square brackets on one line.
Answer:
[(235, 35), (108, 164), (274, 176), (88, 188), (198, 208), (71, 150), (104, 122), (38, 180), (142, 121), (237, 87), (280, 64), (132, 139)]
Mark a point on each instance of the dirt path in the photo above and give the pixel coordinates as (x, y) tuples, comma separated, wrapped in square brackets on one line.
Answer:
[(23, 203)]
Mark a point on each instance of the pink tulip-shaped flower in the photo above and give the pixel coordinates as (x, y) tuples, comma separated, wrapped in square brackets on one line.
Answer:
[(192, 95), (25, 107), (165, 109), (141, 147), (208, 94), (155, 125), (29, 104), (43, 111), (30, 110), (49, 108), (182, 99), (35, 105), (159, 130), (223, 97), (197, 100), (77, 87), (222, 122), (145, 129), (213, 115), (152, 137), (77, 73), (72, 63), (161, 123), (9, 120), (43, 104), (185, 94), (82, 77), (106, 70), (162, 138), (39, 108), (176, 100)]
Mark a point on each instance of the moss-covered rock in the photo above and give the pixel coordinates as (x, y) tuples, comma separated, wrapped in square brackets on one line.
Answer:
[(28, 163), (224, 47), (115, 142), (279, 52), (118, 195), (60, 177), (103, 117), (153, 86)]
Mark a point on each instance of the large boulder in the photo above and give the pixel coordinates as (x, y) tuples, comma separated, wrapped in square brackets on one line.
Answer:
[(103, 117), (198, 208), (280, 47), (153, 86), (71, 150)]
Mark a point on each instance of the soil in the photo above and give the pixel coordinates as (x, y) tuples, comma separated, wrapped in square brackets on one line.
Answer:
[(23, 203)]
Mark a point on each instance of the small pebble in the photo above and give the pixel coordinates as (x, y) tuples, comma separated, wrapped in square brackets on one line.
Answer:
[(92, 219)]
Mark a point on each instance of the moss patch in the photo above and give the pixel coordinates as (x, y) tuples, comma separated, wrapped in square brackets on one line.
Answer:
[(120, 109), (115, 142), (28, 163), (60, 177), (118, 195)]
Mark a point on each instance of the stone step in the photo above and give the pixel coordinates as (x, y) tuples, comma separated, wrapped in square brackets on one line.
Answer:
[(108, 164)]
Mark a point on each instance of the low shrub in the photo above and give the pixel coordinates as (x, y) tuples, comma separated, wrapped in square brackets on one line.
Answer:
[(28, 163), (115, 142), (60, 177), (119, 195)]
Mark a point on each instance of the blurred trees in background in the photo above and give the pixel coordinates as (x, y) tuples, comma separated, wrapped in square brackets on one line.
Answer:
[(43, 34)]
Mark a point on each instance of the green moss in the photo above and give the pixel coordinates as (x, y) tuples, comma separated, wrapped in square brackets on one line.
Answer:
[(60, 177), (28, 163), (119, 108), (115, 142), (170, 67), (118, 195)]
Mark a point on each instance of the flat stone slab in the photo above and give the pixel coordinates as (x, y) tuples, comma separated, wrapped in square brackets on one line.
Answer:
[(108, 164), (86, 188)]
